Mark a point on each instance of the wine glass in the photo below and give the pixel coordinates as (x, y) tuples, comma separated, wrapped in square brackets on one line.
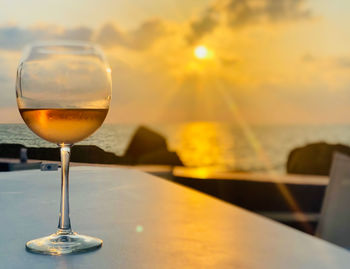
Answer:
[(63, 92)]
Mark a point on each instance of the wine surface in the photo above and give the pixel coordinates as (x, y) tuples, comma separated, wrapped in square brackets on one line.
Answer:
[(60, 125)]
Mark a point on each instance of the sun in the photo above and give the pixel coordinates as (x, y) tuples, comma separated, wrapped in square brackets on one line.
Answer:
[(201, 52)]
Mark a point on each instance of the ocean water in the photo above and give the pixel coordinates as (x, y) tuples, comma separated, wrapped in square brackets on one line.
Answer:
[(208, 144)]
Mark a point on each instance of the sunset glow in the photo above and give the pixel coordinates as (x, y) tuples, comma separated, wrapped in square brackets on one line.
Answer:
[(269, 56)]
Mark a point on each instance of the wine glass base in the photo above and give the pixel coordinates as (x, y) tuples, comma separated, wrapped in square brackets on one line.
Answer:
[(62, 244)]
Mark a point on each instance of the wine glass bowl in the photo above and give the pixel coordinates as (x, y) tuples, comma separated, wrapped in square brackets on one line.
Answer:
[(63, 92)]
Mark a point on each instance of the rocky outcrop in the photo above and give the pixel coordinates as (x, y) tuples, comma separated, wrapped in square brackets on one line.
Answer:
[(93, 154), (315, 159), (146, 147), (149, 147)]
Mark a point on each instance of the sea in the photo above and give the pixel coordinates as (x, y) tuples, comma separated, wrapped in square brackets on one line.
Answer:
[(257, 148)]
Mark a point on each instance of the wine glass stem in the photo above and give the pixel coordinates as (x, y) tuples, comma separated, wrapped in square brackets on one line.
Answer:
[(64, 220)]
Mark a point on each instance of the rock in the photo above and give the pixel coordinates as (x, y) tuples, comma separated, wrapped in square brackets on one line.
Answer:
[(80, 153), (49, 154), (149, 147), (93, 154), (10, 150), (145, 141), (161, 157), (146, 147), (315, 159)]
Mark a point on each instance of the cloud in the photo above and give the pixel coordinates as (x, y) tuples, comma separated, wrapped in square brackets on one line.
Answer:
[(205, 24), (147, 34), (109, 35), (14, 37), (80, 33), (308, 58), (228, 61), (141, 38), (8, 65), (286, 10), (241, 13), (340, 62), (343, 62)]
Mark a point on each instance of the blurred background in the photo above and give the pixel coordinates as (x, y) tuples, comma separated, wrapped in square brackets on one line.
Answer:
[(231, 84)]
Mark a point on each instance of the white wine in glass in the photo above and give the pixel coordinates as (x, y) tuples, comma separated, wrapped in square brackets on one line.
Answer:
[(63, 91), (63, 125)]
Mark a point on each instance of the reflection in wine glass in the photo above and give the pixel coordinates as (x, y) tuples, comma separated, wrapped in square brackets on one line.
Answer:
[(63, 93)]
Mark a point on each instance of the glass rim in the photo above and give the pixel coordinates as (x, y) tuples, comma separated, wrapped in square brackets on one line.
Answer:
[(87, 47), (62, 42)]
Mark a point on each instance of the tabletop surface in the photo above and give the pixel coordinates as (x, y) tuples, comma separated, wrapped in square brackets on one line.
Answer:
[(147, 222)]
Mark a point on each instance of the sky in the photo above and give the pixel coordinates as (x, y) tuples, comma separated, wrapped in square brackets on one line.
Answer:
[(266, 61)]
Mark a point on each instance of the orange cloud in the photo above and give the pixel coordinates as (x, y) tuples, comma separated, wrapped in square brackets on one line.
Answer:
[(140, 38), (241, 13), (13, 37)]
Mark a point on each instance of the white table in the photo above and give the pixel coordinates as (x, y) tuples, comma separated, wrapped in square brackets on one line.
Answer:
[(148, 222)]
